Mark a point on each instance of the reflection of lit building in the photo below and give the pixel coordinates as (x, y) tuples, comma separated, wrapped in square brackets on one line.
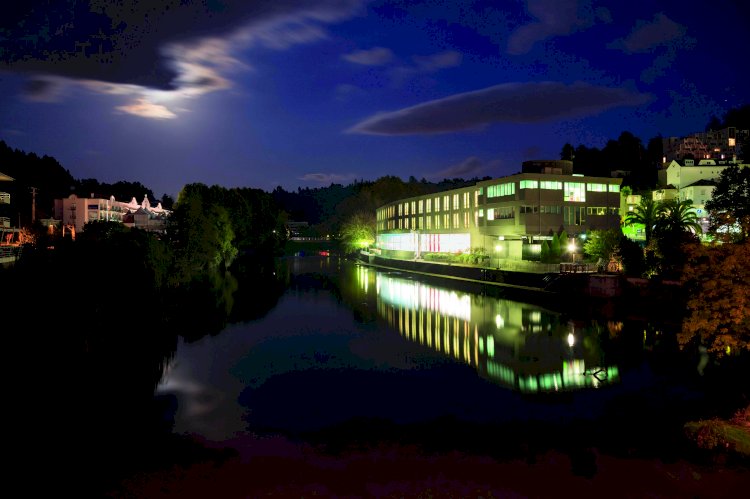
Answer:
[(509, 216), (518, 345)]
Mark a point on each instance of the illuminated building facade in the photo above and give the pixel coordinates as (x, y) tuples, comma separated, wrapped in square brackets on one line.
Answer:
[(77, 212), (517, 345), (4, 202), (509, 215)]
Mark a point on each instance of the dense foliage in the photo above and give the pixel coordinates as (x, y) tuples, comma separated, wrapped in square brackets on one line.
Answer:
[(729, 206), (718, 280)]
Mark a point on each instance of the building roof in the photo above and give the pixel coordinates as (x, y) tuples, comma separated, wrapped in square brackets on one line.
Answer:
[(4, 177), (702, 183)]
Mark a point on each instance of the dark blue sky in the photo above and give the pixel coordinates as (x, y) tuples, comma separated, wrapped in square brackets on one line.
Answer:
[(296, 93)]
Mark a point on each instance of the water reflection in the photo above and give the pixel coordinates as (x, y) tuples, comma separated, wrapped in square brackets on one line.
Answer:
[(519, 345)]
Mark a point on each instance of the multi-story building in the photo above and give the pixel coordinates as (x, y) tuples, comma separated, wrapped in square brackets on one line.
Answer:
[(4, 202), (679, 174), (724, 144), (77, 212), (509, 215)]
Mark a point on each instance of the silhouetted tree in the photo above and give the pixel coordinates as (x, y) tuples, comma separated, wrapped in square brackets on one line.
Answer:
[(729, 206)]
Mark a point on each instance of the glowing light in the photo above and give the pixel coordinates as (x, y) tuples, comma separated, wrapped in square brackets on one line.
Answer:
[(571, 340), (572, 247), (498, 248), (499, 321)]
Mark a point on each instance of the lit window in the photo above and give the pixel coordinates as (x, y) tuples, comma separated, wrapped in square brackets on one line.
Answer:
[(529, 184), (614, 188), (552, 185), (574, 191), (596, 187), (501, 190)]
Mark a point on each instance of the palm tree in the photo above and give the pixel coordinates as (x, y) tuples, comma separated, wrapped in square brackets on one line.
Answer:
[(678, 216), (647, 213)]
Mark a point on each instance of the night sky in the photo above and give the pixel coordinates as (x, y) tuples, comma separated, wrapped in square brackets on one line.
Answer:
[(305, 93)]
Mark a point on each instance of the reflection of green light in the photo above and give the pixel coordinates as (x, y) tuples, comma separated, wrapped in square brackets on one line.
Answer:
[(490, 346), (481, 345)]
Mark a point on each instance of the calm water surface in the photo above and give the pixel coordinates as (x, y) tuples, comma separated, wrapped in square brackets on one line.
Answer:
[(347, 342)]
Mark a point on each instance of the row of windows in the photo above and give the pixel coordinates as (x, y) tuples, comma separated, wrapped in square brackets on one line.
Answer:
[(545, 210), (502, 213), (573, 192), (556, 185), (445, 221), (508, 189), (428, 205)]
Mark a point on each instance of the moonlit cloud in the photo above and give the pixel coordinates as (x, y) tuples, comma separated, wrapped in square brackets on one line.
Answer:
[(131, 48), (146, 109), (509, 102), (554, 18), (376, 56)]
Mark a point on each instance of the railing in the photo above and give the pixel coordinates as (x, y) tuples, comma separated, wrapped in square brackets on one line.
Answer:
[(4, 198), (577, 268), (9, 253)]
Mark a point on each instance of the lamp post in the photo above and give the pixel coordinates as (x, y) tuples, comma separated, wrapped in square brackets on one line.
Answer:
[(572, 250)]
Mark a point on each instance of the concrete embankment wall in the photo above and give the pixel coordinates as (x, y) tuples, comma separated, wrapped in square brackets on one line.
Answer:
[(519, 280)]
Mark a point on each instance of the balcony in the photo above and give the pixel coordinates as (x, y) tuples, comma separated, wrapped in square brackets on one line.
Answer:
[(4, 198)]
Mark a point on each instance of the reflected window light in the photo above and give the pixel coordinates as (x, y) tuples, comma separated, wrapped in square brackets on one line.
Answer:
[(490, 346), (499, 321), (571, 339)]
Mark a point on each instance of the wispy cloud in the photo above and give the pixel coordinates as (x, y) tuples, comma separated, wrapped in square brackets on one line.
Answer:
[(468, 168), (376, 56), (661, 36), (509, 102), (138, 48), (554, 18), (146, 109)]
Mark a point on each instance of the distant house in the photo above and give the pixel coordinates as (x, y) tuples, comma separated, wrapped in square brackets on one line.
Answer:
[(78, 211), (724, 144), (5, 202), (686, 172)]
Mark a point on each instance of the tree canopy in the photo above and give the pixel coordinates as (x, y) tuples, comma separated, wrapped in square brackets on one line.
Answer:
[(718, 281), (729, 206)]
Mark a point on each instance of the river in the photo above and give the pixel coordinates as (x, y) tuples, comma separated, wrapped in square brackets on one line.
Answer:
[(352, 357)]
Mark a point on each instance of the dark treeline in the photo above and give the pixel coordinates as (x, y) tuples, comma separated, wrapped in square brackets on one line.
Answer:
[(627, 154), (52, 181), (92, 322), (327, 208)]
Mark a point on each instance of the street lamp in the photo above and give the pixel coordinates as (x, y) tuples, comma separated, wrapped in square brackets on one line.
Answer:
[(572, 250)]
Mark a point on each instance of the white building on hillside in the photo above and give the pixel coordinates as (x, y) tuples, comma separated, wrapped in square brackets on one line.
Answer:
[(79, 211)]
